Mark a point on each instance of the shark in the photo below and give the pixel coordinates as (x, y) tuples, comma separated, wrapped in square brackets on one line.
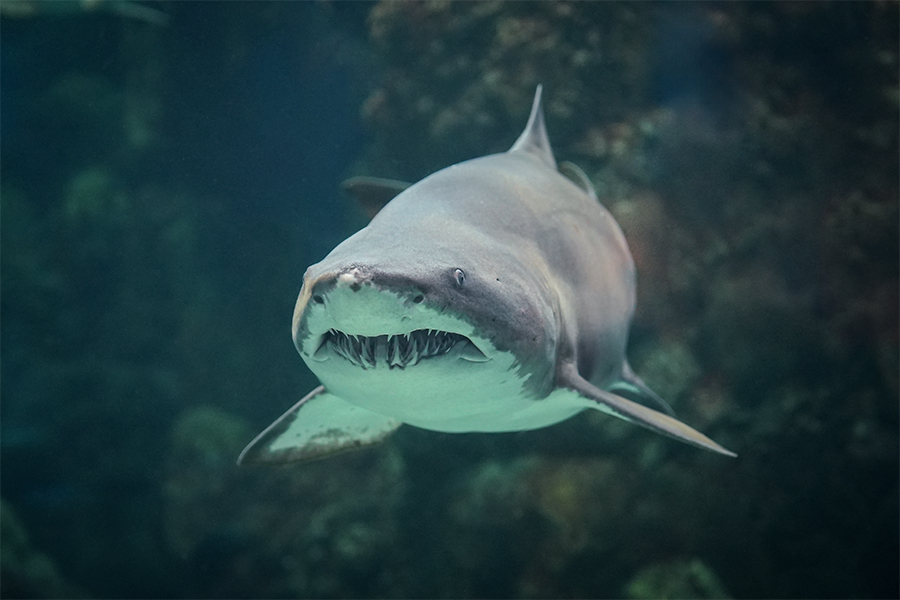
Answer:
[(494, 295)]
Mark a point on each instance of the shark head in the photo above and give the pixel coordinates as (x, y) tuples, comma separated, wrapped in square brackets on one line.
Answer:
[(412, 334), (367, 318)]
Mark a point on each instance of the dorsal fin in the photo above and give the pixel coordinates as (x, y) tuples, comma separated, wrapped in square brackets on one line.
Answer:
[(534, 139)]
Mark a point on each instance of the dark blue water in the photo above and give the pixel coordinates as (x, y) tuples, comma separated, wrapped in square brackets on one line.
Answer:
[(164, 188)]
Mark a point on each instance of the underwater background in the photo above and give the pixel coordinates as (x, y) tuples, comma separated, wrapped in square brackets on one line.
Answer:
[(169, 170)]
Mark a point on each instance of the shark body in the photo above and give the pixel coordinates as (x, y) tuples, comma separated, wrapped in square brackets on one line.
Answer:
[(493, 295)]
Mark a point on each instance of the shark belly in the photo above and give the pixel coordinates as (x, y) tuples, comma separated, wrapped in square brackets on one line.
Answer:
[(446, 394), (462, 386)]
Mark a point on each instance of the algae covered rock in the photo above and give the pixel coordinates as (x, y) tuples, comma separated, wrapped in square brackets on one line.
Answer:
[(690, 578), (203, 445), (25, 571), (321, 529)]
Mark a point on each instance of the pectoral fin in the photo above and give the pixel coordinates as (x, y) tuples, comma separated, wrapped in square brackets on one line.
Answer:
[(319, 425), (635, 413), (373, 193)]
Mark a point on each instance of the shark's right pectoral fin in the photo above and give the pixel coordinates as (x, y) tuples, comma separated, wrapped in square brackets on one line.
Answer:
[(633, 412), (319, 425), (373, 193)]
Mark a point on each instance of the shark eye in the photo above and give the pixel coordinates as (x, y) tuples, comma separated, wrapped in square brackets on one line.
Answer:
[(460, 277), (318, 299)]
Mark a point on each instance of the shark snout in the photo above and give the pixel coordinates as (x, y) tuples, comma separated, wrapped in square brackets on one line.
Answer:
[(355, 308), (357, 300), (362, 279), (318, 288)]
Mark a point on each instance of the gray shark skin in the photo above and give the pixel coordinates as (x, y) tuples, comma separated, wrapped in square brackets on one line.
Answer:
[(493, 295)]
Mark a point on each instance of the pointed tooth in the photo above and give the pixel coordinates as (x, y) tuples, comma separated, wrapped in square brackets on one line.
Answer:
[(412, 355), (379, 349), (389, 349), (364, 350), (434, 343), (372, 348), (422, 346), (418, 346), (398, 353), (407, 349), (347, 355), (368, 349), (352, 350)]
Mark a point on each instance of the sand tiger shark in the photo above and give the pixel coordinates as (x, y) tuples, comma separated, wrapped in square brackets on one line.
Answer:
[(493, 295)]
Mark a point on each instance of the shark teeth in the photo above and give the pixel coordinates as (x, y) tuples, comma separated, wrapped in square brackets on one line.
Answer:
[(396, 351)]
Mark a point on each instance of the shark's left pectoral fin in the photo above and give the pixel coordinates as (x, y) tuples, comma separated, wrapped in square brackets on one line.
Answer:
[(638, 414), (319, 425)]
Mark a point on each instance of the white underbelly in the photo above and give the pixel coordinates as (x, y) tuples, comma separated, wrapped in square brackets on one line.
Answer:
[(449, 395)]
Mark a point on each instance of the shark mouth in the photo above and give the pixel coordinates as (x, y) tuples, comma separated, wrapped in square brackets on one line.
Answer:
[(400, 350)]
